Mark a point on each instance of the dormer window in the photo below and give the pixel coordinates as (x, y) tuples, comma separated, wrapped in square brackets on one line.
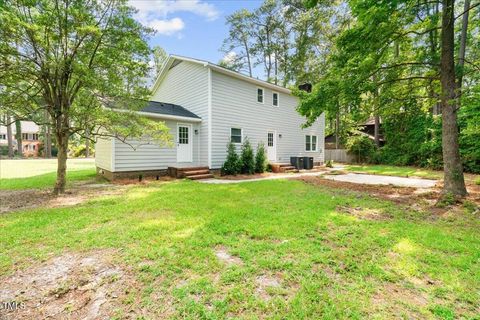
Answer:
[(275, 99), (260, 95)]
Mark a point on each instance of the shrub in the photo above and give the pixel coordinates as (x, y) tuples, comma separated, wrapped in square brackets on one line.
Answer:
[(361, 147), (329, 164), (232, 164), (247, 158), (261, 159)]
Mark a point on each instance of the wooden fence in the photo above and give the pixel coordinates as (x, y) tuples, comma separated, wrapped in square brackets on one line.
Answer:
[(338, 155)]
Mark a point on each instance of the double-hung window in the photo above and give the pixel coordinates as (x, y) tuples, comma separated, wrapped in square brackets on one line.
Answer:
[(275, 99), (236, 135), (310, 143), (260, 95)]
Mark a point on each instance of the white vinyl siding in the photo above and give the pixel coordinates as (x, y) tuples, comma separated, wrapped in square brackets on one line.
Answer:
[(103, 153), (144, 155), (186, 84), (232, 107)]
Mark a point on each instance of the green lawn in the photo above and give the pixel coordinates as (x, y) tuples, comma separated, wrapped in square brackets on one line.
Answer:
[(329, 264), (396, 171), (41, 173)]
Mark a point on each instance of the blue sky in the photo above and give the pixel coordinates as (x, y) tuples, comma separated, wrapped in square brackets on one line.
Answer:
[(193, 28)]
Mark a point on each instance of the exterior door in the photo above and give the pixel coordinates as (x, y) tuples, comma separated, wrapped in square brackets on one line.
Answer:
[(184, 143), (271, 146)]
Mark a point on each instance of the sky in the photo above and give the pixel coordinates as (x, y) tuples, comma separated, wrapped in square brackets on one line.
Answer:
[(192, 28)]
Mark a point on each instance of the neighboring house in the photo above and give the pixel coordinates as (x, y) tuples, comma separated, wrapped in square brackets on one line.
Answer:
[(30, 137), (367, 128), (206, 106)]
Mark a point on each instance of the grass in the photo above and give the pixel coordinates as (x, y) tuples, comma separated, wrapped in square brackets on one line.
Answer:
[(41, 173), (330, 264), (396, 171)]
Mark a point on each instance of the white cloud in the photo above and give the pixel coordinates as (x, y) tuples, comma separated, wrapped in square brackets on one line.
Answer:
[(229, 57), (154, 13), (168, 26)]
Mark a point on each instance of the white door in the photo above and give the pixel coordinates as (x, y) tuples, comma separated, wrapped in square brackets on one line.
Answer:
[(271, 146), (184, 143)]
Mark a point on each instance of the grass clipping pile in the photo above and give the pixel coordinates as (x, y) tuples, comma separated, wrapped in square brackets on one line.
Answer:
[(72, 286)]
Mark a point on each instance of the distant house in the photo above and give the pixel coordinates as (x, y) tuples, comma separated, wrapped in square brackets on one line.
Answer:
[(30, 138), (367, 129), (206, 106)]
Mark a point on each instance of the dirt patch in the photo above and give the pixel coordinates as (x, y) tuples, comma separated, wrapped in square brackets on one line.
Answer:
[(395, 300), (73, 286), (224, 256), (364, 213), (415, 199), (13, 200), (267, 286)]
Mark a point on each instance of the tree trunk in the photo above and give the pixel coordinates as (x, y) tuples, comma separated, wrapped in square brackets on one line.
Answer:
[(337, 129), (463, 45), (9, 137), (18, 137), (377, 130), (454, 182), (62, 145), (87, 143)]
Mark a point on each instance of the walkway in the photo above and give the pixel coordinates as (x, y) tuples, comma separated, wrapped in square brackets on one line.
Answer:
[(349, 177)]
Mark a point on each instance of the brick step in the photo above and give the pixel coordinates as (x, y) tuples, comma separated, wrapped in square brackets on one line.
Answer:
[(192, 169), (200, 176), (195, 172)]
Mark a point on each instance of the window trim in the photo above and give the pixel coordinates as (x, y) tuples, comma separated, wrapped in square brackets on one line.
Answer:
[(316, 142), (241, 135), (263, 95), (278, 99)]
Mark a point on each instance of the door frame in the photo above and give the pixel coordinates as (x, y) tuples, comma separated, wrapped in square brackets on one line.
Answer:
[(190, 140), (274, 144)]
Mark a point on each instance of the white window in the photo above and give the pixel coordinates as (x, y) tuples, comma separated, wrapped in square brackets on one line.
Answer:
[(3, 136), (310, 143), (260, 95), (275, 99), (236, 135)]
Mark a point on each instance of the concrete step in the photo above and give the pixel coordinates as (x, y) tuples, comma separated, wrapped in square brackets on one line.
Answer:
[(200, 176), (195, 172)]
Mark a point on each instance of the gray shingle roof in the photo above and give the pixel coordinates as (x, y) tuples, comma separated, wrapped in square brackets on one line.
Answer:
[(169, 109)]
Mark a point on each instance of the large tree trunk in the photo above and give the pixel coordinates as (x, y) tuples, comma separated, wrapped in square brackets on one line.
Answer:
[(18, 137), (454, 182), (9, 137), (62, 144), (337, 129)]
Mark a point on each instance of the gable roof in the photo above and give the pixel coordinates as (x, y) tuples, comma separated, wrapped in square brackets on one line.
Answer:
[(175, 59), (168, 109)]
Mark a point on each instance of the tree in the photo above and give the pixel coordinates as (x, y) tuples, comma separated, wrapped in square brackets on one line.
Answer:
[(18, 137), (260, 159), (247, 158), (72, 59), (390, 48), (159, 58), (238, 40), (232, 164)]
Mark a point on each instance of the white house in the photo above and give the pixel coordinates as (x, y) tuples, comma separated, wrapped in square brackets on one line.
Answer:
[(30, 137), (205, 106)]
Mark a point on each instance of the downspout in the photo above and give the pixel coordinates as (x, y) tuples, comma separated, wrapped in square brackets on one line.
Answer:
[(209, 106)]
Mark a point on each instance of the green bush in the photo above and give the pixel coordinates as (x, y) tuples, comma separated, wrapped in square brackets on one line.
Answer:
[(261, 159), (329, 164), (361, 147), (247, 158), (232, 164)]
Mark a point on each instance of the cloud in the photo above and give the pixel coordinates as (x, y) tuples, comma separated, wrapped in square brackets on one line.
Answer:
[(155, 13), (168, 26), (230, 57)]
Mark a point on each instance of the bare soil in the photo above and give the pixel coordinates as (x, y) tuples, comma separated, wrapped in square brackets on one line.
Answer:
[(13, 200), (71, 286)]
